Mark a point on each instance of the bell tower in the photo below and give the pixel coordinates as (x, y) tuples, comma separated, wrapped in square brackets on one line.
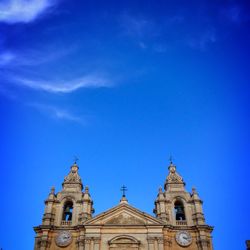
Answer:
[(183, 215), (64, 212), (178, 224)]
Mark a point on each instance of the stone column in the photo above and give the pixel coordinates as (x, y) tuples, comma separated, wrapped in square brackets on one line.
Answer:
[(44, 244), (203, 244), (167, 243), (87, 244), (97, 243), (160, 243), (36, 243), (80, 243), (151, 243), (156, 244)]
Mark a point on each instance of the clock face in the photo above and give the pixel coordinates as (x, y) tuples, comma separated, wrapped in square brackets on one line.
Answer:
[(183, 238), (63, 238)]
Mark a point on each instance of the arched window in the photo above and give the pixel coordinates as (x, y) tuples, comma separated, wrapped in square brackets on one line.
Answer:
[(179, 210), (67, 211)]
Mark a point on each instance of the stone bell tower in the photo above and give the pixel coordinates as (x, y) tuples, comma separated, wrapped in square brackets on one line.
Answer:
[(183, 215), (178, 224), (64, 212)]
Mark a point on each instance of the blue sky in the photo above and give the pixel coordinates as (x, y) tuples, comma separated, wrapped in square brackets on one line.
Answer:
[(123, 85)]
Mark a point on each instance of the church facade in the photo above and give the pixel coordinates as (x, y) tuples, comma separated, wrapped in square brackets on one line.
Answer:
[(68, 222)]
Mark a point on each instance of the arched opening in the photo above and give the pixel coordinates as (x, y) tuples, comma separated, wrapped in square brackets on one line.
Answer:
[(179, 210), (67, 211), (124, 242)]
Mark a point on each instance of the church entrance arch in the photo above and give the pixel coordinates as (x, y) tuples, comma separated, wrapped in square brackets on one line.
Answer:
[(124, 242)]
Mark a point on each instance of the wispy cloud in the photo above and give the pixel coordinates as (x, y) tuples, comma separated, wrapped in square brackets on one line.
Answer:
[(160, 48), (176, 19), (136, 26), (233, 13), (33, 57), (6, 58), (23, 11), (142, 45), (58, 113), (201, 41), (91, 81)]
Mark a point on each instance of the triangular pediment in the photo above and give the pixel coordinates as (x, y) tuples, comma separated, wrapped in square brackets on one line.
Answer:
[(124, 214)]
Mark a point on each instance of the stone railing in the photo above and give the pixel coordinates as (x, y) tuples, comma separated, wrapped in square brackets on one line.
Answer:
[(66, 223), (181, 223)]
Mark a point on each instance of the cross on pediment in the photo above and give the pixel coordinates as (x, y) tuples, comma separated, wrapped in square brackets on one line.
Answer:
[(124, 189)]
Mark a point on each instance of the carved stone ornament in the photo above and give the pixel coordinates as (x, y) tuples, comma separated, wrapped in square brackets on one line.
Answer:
[(63, 239), (124, 243), (72, 177), (151, 240), (125, 219), (43, 242), (173, 176), (160, 240), (167, 241)]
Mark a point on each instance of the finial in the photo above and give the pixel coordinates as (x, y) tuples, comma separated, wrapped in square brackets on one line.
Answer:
[(160, 189), (171, 166), (74, 167), (86, 189), (76, 159), (52, 190), (171, 160), (194, 190), (123, 189)]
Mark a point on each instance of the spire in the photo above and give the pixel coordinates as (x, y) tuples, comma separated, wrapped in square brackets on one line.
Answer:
[(198, 216), (195, 195), (160, 196), (173, 180), (52, 193), (73, 180), (160, 209)]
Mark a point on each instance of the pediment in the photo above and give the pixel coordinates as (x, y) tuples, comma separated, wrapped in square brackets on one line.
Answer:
[(125, 218), (124, 214)]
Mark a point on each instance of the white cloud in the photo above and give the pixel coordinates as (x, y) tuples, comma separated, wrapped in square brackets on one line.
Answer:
[(202, 40), (6, 58), (58, 113), (233, 13), (63, 86), (160, 48), (137, 27), (142, 45), (176, 19), (23, 11), (29, 57)]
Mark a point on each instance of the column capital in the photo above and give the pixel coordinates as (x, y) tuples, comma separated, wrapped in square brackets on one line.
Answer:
[(167, 241), (96, 239), (160, 240), (88, 240), (151, 240)]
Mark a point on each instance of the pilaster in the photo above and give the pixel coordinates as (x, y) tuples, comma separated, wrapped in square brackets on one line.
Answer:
[(167, 243), (151, 242), (203, 244)]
